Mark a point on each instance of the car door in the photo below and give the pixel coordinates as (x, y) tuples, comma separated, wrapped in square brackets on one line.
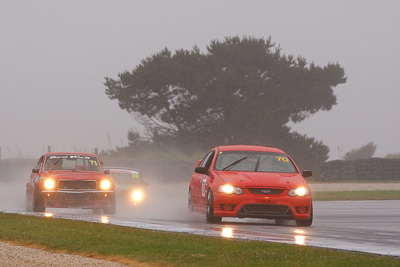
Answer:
[(200, 180), (30, 185)]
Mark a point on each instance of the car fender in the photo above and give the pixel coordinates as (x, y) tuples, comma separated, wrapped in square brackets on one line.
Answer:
[(213, 181)]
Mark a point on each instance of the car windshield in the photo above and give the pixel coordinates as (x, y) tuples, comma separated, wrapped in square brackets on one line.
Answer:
[(126, 176), (71, 163), (254, 161)]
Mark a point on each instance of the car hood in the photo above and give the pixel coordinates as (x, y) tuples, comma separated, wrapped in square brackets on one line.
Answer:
[(70, 175), (261, 179)]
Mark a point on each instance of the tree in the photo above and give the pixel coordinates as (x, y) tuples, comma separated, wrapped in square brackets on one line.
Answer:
[(364, 152), (243, 90)]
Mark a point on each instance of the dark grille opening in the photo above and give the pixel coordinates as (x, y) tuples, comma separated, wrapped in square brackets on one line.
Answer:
[(265, 191), (261, 209), (76, 185)]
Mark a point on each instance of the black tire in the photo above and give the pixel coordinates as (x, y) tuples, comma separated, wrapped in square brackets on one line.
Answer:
[(113, 207), (210, 218), (37, 202), (190, 201), (308, 222)]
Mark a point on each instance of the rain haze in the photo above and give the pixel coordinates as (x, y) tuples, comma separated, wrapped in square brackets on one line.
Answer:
[(54, 56)]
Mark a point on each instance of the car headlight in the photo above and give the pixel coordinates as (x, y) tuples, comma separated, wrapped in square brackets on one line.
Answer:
[(49, 184), (229, 189), (137, 195), (300, 191), (105, 184)]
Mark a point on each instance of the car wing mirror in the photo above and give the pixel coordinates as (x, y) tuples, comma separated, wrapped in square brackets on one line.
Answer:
[(307, 174), (35, 170), (201, 170), (106, 172), (198, 162)]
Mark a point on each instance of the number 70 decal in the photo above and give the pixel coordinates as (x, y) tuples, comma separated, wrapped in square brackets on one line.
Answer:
[(282, 159)]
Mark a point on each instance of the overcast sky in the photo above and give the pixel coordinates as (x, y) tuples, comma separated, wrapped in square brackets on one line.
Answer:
[(54, 56)]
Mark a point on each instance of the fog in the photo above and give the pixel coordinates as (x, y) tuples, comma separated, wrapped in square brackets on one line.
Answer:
[(54, 56), (162, 201)]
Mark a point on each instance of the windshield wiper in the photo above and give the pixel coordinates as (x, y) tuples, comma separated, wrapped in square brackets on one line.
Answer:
[(258, 163), (234, 163)]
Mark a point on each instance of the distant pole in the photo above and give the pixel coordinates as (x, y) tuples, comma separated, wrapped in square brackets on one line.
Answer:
[(96, 151), (48, 149)]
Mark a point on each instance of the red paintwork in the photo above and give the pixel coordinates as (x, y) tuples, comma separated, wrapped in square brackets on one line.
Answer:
[(244, 180), (71, 198)]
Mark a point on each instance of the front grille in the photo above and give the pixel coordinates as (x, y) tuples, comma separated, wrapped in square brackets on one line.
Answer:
[(265, 191), (77, 185), (265, 211)]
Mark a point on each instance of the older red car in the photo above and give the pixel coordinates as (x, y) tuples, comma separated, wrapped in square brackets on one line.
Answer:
[(70, 180), (250, 182)]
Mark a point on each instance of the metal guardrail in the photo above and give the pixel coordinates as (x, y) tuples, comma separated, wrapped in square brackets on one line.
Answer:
[(373, 169)]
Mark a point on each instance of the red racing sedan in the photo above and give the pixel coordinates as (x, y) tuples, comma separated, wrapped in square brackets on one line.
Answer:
[(250, 182), (70, 180)]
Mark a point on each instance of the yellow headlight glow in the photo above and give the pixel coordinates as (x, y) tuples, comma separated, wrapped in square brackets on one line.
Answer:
[(301, 191), (137, 195), (227, 189), (49, 184), (105, 184)]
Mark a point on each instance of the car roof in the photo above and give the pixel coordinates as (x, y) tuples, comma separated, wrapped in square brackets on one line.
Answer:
[(120, 168), (70, 153), (249, 148)]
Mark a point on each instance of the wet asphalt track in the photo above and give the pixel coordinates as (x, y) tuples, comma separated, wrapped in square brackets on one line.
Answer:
[(366, 226)]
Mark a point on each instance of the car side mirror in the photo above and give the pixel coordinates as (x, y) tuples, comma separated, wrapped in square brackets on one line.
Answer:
[(35, 170), (307, 174), (198, 162), (201, 170), (106, 172)]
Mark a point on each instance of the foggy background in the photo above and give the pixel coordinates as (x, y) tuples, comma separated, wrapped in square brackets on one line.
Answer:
[(54, 56)]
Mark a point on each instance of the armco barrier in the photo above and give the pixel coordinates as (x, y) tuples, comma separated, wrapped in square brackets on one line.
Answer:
[(373, 169)]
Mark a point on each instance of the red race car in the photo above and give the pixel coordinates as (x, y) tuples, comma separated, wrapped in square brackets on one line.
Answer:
[(250, 182), (70, 180)]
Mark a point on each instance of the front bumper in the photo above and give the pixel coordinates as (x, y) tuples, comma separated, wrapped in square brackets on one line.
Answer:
[(260, 206), (78, 199)]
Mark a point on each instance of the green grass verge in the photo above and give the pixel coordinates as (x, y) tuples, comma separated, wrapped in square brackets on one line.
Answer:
[(161, 248), (356, 195)]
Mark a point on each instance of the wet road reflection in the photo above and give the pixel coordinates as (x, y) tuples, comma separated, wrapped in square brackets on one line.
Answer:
[(105, 219), (367, 226), (300, 239), (227, 232)]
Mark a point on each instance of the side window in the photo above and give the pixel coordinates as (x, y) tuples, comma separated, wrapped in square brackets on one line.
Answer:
[(206, 162), (39, 163)]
